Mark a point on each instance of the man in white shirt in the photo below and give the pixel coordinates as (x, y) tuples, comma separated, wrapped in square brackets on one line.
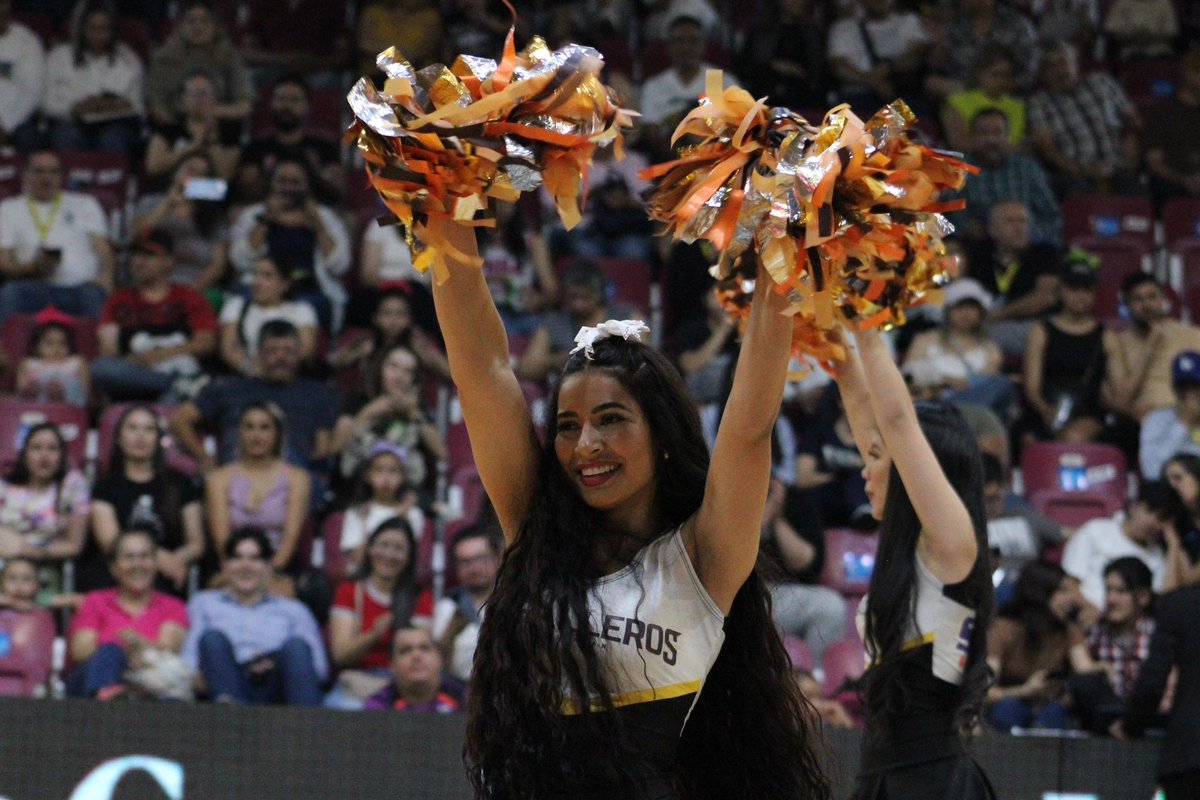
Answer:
[(456, 618), (876, 55), (1139, 533), (54, 246), (669, 95), (22, 78)]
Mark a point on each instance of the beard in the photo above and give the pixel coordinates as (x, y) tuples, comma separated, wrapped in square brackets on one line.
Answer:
[(287, 123)]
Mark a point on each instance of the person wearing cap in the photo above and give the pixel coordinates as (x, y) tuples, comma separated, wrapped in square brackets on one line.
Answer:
[(1172, 160), (1148, 347), (1169, 431), (154, 333), (1070, 361), (1020, 274), (958, 362), (584, 302), (54, 245)]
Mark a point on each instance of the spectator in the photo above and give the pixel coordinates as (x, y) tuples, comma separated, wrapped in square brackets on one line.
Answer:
[(248, 645), (829, 468), (309, 408), (795, 542), (197, 44), (53, 371), (475, 27), (878, 56), (383, 598), (18, 585), (670, 94), (396, 416), (21, 81), (1168, 432), (584, 302), (1005, 175), (392, 325), (418, 684), (1076, 21), (270, 298), (1141, 28), (516, 265), (614, 222), (385, 266), (199, 131), (475, 554), (1119, 642), (154, 334), (1148, 346), (1183, 537), (259, 489), (196, 220), (958, 362), (991, 90), (304, 36), (1083, 128), (971, 27), (831, 712), (382, 492), (139, 490), (114, 628), (1033, 645), (1173, 161), (1020, 275), (783, 55), (44, 505), (707, 349), (54, 246), (1071, 362), (93, 95), (28, 629), (1174, 648), (290, 140), (1138, 533), (413, 27), (293, 228), (1017, 532)]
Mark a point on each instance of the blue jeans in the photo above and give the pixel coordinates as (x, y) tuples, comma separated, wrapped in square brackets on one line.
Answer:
[(31, 296), (118, 136), (122, 379), (105, 668), (997, 392), (1012, 712), (292, 680)]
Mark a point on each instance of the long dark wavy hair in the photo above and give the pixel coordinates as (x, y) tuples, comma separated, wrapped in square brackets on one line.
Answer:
[(750, 733), (404, 596), (167, 485), (1029, 606), (891, 605)]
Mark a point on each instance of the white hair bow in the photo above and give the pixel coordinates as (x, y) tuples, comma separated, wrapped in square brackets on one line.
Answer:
[(625, 328)]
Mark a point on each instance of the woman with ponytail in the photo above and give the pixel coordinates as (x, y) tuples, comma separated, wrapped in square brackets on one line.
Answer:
[(628, 649), (926, 616)]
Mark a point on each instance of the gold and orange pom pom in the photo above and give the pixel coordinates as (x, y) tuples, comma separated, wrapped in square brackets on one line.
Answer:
[(439, 141), (843, 215)]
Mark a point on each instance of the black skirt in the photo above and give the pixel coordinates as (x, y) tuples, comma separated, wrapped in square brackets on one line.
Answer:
[(952, 778)]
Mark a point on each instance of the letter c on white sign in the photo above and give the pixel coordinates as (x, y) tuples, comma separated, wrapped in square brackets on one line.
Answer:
[(100, 783)]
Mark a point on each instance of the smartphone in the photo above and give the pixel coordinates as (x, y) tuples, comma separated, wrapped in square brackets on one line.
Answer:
[(210, 189)]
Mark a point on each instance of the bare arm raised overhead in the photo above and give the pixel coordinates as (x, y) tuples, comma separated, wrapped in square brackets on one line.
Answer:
[(498, 421), (722, 539)]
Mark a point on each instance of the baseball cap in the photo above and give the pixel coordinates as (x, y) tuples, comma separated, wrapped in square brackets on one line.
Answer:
[(1079, 270), (156, 241), (1186, 368)]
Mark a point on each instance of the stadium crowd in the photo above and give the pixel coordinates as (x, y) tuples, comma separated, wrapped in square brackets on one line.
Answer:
[(232, 456)]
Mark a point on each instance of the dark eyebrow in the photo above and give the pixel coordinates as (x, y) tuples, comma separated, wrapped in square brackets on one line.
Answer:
[(598, 409)]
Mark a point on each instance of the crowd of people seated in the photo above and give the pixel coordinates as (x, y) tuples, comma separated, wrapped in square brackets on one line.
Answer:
[(235, 449)]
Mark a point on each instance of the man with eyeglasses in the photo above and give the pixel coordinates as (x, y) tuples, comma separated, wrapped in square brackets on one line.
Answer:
[(457, 616), (54, 245)]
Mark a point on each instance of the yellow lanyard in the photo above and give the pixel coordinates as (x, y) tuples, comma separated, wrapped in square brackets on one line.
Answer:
[(44, 225), (1004, 280)]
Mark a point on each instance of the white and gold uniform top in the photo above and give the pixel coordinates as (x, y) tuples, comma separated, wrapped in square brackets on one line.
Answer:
[(941, 622), (656, 631)]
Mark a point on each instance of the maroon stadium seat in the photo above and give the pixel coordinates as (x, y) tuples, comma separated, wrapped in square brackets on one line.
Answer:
[(849, 559), (26, 658), (1108, 216), (1090, 467)]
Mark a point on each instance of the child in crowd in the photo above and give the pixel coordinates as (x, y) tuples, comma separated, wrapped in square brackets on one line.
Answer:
[(18, 584), (53, 370), (382, 492), (270, 298), (23, 625)]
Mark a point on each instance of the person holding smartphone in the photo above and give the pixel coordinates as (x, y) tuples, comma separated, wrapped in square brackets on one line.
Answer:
[(54, 245)]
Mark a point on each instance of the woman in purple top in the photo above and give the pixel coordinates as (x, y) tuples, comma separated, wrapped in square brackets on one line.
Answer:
[(114, 627), (259, 489)]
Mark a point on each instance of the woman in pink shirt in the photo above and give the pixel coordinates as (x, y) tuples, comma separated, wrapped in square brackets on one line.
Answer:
[(115, 627)]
